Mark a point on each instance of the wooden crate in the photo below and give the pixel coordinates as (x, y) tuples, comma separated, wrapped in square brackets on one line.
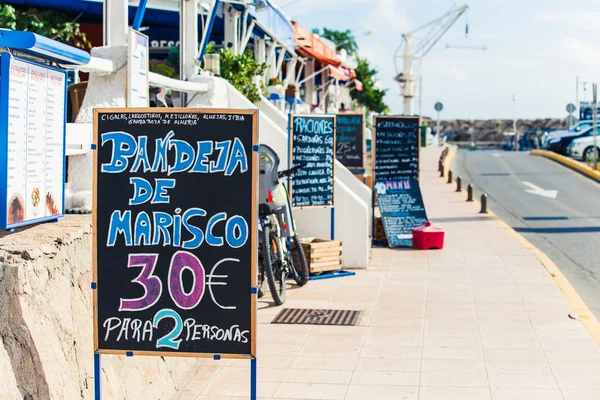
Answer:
[(322, 255)]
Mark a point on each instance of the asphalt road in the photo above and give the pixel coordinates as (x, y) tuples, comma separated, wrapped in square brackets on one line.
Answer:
[(565, 227)]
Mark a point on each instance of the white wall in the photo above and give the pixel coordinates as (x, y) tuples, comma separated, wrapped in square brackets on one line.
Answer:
[(352, 203)]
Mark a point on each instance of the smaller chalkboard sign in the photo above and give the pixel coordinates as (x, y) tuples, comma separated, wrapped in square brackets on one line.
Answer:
[(396, 147), (312, 139), (349, 140), (402, 209)]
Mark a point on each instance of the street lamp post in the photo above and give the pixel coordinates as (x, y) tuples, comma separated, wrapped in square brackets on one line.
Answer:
[(515, 123), (595, 123)]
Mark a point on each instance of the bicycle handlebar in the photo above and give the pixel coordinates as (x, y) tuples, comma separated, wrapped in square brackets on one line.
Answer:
[(291, 171)]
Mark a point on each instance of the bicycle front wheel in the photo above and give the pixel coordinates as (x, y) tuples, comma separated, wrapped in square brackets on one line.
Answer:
[(273, 266), (298, 263)]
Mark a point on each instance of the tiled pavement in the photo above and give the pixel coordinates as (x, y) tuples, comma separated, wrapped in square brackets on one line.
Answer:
[(480, 320)]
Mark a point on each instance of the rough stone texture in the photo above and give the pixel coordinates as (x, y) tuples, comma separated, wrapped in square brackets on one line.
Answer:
[(492, 130), (46, 342)]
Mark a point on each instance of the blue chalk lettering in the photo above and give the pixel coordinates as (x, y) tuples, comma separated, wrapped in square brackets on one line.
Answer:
[(221, 163), (198, 236), (119, 223), (142, 191), (142, 229), (177, 229), (162, 221), (142, 155), (210, 238), (205, 148), (184, 156), (239, 223), (160, 192), (124, 146), (238, 155), (160, 155)]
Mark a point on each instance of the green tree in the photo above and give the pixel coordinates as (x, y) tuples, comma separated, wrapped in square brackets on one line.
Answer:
[(370, 97), (50, 23), (342, 39), (242, 70)]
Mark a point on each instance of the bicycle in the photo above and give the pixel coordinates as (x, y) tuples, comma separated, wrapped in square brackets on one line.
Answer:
[(280, 252)]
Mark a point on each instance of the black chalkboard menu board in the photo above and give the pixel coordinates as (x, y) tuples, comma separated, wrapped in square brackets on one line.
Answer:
[(396, 147), (402, 209), (349, 140), (312, 139), (175, 252)]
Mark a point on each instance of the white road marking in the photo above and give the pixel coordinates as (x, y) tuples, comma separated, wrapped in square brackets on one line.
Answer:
[(539, 191)]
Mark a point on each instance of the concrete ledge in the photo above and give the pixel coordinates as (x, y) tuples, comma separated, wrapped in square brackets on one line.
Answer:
[(569, 162)]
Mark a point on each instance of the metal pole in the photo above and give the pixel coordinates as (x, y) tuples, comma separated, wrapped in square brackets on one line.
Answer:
[(515, 124), (139, 15), (595, 114), (97, 378), (253, 379), (577, 97), (437, 129), (421, 96), (209, 28)]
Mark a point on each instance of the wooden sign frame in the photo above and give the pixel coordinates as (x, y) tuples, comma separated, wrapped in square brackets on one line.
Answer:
[(374, 141), (253, 229), (364, 140), (291, 150)]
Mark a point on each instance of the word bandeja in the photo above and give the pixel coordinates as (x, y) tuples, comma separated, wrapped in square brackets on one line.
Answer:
[(206, 157)]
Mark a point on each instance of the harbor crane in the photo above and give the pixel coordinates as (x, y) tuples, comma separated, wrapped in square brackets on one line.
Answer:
[(413, 48)]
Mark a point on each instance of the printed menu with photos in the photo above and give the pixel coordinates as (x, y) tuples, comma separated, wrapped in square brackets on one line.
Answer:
[(35, 135)]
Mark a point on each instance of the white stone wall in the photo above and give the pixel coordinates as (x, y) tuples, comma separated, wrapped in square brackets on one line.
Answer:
[(46, 351)]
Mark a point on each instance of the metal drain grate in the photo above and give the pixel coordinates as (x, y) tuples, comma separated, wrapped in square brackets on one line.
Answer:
[(308, 316)]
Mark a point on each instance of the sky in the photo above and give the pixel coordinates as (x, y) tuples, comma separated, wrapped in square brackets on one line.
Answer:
[(535, 51)]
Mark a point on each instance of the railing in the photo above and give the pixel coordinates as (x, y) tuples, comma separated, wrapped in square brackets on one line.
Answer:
[(79, 136)]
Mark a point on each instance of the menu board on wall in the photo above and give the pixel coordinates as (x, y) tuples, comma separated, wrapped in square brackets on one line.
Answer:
[(137, 70), (396, 147), (175, 254), (32, 141), (402, 209), (350, 140), (312, 139)]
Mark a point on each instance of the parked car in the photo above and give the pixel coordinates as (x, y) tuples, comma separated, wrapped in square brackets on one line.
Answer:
[(559, 144), (583, 148), (581, 126)]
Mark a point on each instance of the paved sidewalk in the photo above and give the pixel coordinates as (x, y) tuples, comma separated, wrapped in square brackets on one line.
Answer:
[(481, 319)]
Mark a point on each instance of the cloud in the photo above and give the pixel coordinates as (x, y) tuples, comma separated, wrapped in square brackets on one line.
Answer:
[(587, 21), (580, 53), (388, 15)]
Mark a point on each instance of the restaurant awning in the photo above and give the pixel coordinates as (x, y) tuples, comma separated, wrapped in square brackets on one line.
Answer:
[(337, 73), (309, 45)]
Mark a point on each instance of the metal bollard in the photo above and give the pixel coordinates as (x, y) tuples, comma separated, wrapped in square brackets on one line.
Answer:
[(483, 204), (449, 176), (469, 193), (458, 184), (442, 171)]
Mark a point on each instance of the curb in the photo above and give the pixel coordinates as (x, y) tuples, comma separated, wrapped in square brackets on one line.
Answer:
[(577, 166), (577, 304)]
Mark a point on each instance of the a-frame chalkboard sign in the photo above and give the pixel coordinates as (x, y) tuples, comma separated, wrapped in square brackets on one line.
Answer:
[(174, 252)]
